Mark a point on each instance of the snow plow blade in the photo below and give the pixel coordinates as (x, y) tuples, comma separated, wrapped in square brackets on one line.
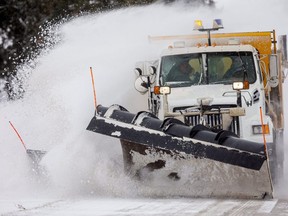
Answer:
[(240, 168)]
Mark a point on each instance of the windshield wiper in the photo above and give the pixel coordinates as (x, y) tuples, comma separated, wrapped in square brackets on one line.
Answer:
[(180, 84), (221, 82)]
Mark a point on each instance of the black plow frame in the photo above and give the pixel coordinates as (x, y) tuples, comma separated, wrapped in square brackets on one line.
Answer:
[(172, 135)]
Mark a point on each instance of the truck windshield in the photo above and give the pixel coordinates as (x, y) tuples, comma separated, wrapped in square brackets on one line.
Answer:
[(207, 68)]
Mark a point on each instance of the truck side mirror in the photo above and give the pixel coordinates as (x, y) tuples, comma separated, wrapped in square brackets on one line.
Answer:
[(274, 71), (138, 72), (141, 84), (152, 70)]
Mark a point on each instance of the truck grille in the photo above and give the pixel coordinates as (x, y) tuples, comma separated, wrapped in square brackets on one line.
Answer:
[(214, 121)]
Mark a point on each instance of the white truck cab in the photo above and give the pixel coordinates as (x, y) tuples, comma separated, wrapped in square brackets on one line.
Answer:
[(205, 94), (233, 83)]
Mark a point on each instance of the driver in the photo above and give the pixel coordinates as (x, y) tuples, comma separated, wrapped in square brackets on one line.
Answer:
[(236, 66), (181, 72)]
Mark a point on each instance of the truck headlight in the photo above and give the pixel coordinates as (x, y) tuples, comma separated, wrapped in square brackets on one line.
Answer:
[(258, 129), (240, 85), (162, 90)]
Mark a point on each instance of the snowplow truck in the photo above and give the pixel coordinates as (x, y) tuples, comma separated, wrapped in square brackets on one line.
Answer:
[(215, 115)]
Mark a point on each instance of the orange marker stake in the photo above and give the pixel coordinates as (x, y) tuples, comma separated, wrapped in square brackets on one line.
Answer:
[(94, 91), (265, 147), (18, 135), (263, 133)]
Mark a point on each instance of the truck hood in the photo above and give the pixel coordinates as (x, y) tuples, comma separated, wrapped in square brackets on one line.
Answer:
[(190, 96)]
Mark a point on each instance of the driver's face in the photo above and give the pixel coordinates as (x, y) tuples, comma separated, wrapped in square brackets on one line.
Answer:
[(185, 68), (237, 62)]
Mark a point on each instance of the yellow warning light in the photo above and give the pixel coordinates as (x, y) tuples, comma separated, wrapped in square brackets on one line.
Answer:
[(198, 24)]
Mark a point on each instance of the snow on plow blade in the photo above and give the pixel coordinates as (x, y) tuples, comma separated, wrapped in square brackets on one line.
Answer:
[(240, 167)]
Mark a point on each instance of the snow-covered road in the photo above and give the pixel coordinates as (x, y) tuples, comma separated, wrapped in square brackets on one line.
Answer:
[(119, 206), (58, 106)]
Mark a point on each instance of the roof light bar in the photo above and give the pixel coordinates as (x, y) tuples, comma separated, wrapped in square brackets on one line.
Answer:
[(217, 24), (198, 25)]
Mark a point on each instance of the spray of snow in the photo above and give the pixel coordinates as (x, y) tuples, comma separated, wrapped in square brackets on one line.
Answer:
[(58, 101)]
